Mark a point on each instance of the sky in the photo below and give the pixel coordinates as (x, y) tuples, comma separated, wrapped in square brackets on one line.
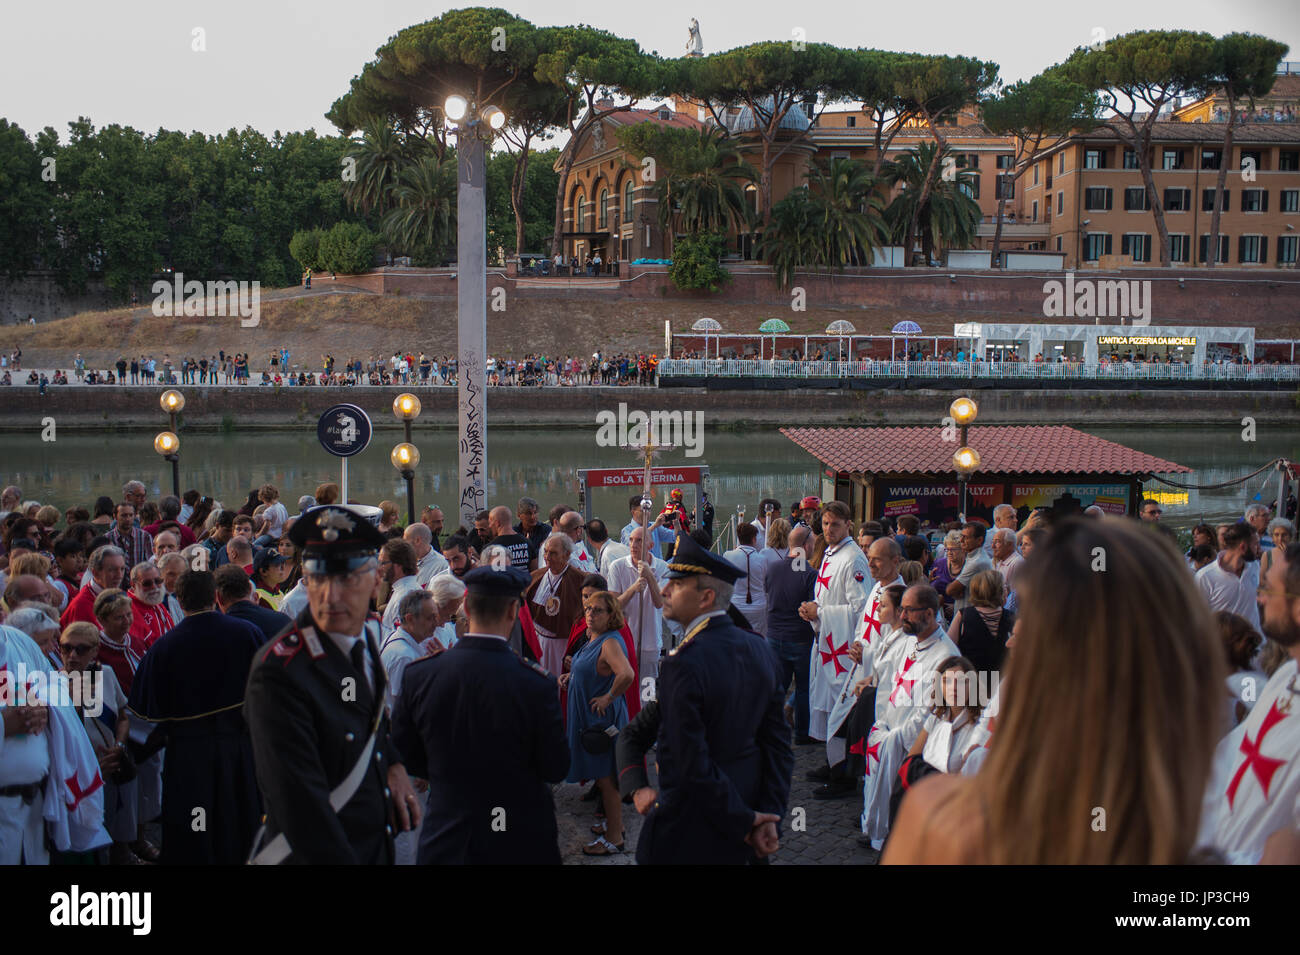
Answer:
[(280, 64)]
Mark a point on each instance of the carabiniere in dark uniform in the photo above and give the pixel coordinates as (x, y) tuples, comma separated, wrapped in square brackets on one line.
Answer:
[(320, 731)]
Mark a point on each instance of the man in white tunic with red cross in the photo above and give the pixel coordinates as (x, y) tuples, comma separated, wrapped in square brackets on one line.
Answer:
[(1252, 806), (884, 557), (908, 697), (839, 601)]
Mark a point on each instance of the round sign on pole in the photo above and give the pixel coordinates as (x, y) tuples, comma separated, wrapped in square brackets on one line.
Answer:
[(344, 430)]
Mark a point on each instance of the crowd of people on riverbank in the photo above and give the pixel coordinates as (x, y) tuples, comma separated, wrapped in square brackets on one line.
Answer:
[(899, 654)]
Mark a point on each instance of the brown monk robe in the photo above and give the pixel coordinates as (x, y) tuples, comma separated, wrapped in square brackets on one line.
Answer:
[(554, 598)]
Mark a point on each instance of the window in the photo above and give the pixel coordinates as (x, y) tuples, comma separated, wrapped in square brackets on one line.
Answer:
[(1060, 166), (1036, 178), (627, 200), (579, 217), (1094, 159), (1060, 203), (1130, 159), (1135, 199), (1211, 158), (1005, 161), (1004, 187), (1204, 253), (1096, 198), (1180, 248), (603, 209), (971, 188), (1254, 200), (1058, 243), (1288, 160), (1252, 248), (1095, 245), (1136, 244), (1287, 246), (1035, 211), (1178, 200), (852, 121), (1207, 199), (1252, 156), (1291, 200), (1171, 159)]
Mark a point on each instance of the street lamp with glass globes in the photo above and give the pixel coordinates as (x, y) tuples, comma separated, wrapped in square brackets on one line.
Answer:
[(167, 444), (406, 456), (475, 124), (966, 460)]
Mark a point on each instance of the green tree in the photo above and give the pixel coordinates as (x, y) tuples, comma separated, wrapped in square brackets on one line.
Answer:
[(695, 262), (1245, 66), (789, 241), (1137, 76), (422, 219), (771, 79), (379, 158), (305, 248), (26, 202), (1040, 113), (944, 217), (849, 212), (590, 67), (347, 247), (700, 177)]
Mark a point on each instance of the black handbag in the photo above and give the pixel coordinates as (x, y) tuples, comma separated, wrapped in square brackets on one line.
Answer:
[(598, 741), (126, 768)]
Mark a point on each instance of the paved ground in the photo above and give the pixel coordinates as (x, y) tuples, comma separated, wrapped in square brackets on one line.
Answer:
[(828, 836)]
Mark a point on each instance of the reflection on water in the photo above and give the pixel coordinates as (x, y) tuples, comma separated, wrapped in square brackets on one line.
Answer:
[(543, 464)]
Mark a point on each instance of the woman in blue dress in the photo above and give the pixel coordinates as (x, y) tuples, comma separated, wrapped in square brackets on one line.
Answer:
[(599, 676)]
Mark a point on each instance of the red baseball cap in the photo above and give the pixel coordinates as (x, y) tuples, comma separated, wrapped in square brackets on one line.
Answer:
[(810, 502)]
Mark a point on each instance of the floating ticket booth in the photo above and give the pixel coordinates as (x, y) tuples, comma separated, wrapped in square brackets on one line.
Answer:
[(887, 472), (1090, 343)]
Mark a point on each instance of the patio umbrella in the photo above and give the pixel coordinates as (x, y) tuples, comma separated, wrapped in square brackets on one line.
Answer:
[(905, 329), (841, 328), (771, 327), (707, 325)]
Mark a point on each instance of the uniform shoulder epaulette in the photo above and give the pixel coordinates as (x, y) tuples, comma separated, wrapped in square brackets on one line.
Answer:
[(536, 667), (285, 647)]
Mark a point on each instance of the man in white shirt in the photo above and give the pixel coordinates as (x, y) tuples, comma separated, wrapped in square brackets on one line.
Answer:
[(1004, 515), (582, 559), (1227, 582), (428, 562), (417, 613), (1005, 559), (637, 578), (749, 596), (972, 541), (397, 569), (604, 550)]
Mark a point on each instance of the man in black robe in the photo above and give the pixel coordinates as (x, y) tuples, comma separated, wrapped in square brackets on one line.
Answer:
[(191, 684)]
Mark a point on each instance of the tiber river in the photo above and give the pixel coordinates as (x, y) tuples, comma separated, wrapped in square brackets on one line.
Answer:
[(743, 467)]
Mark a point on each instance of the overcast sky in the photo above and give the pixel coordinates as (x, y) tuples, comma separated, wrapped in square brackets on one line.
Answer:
[(280, 64)]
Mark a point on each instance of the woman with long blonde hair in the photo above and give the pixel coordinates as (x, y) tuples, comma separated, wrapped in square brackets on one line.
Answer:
[(1107, 727)]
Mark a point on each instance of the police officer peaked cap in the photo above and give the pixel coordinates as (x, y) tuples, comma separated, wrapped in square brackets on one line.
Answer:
[(692, 560), (335, 539), (486, 581)]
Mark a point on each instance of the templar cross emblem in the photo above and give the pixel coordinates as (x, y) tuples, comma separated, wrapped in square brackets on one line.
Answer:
[(832, 654), (1263, 766)]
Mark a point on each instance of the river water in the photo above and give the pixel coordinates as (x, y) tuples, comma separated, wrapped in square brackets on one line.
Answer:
[(744, 467)]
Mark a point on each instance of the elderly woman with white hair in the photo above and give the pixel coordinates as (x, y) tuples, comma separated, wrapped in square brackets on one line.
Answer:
[(448, 596), (1280, 533), (947, 565), (40, 622), (554, 599)]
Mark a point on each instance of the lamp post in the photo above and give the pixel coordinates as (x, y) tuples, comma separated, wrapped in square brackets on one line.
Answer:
[(966, 460), (167, 443), (474, 128), (406, 456)]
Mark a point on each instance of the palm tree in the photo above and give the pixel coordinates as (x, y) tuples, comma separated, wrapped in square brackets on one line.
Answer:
[(422, 215), (791, 239), (950, 216), (852, 224), (705, 188), (379, 159)]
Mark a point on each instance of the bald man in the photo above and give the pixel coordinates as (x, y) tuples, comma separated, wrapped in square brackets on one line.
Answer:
[(523, 555), (570, 525), (429, 563)]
